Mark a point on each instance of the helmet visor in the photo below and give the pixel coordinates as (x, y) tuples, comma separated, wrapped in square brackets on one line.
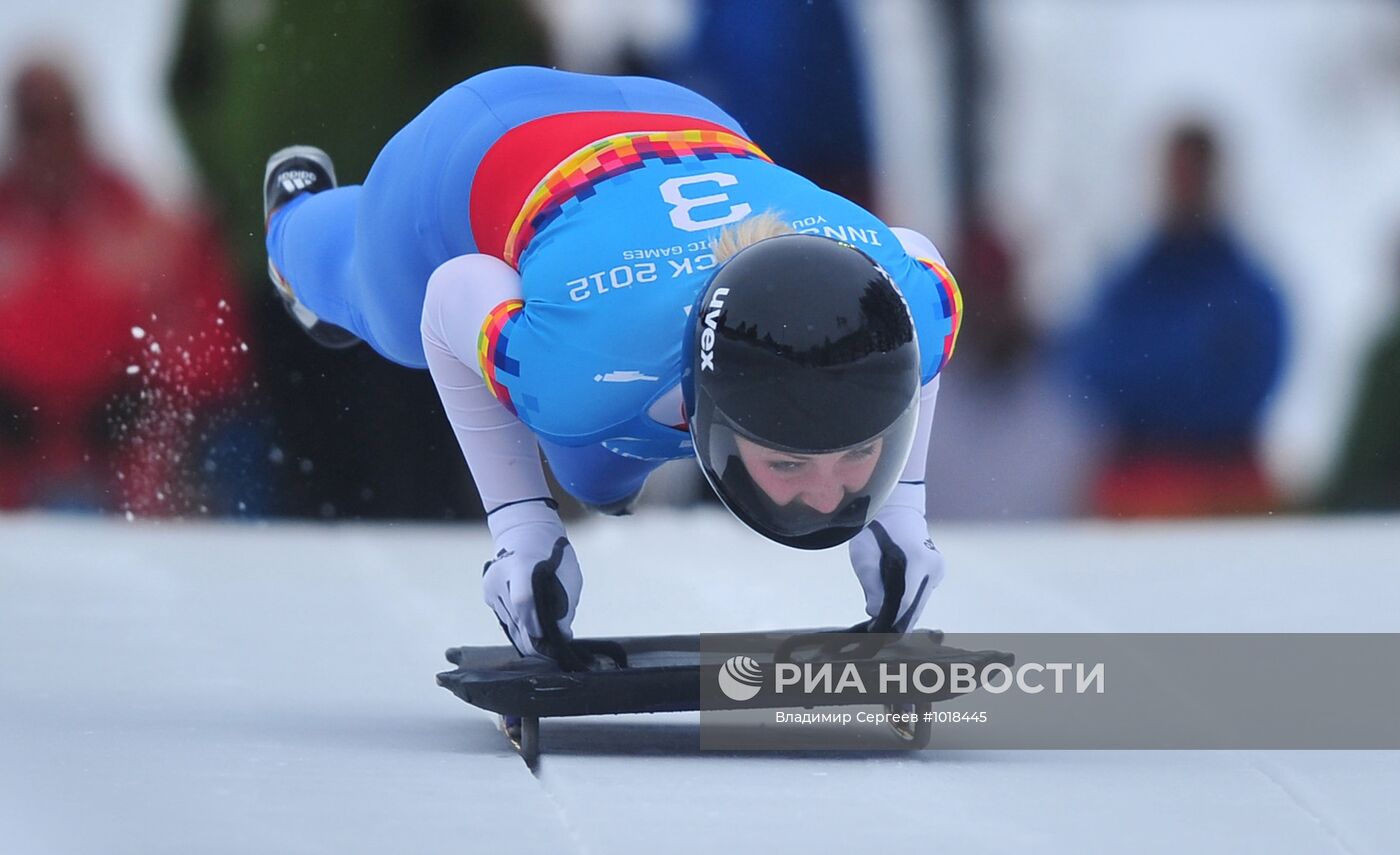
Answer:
[(805, 499)]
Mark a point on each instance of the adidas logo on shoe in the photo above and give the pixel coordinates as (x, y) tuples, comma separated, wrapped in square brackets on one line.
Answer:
[(296, 180)]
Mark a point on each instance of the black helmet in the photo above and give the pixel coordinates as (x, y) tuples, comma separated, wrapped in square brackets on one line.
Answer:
[(802, 345)]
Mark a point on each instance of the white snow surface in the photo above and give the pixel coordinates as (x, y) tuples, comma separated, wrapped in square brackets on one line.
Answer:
[(236, 688)]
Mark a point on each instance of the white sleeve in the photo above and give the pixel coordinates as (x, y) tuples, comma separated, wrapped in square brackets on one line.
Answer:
[(916, 468), (917, 465), (501, 452)]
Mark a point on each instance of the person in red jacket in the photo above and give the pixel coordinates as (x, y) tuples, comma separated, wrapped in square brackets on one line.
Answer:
[(103, 300)]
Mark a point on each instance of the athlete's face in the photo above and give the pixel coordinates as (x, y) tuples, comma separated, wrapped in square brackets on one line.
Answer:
[(820, 481)]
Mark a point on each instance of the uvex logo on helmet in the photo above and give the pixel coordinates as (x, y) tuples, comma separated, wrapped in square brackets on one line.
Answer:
[(707, 335)]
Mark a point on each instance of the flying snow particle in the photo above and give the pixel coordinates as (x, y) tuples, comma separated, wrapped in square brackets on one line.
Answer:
[(138, 333), (133, 369)]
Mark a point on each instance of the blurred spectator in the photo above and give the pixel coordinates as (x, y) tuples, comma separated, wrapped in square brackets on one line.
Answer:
[(1008, 441), (770, 65), (352, 434), (1181, 353), (1368, 475), (119, 334)]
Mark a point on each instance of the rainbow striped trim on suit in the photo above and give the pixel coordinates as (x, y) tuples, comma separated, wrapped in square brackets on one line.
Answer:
[(491, 350), (951, 299), (576, 176)]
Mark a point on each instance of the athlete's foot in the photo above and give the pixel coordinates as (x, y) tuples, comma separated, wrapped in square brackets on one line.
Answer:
[(290, 172)]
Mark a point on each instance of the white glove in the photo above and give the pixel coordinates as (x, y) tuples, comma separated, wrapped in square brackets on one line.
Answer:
[(897, 564), (534, 582)]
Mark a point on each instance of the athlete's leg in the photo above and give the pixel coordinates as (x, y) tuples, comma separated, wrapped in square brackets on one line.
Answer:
[(360, 257), (312, 249)]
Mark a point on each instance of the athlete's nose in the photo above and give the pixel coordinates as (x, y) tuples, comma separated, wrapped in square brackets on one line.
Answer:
[(824, 497)]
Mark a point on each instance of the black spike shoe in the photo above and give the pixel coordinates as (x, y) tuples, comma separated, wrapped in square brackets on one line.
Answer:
[(290, 172)]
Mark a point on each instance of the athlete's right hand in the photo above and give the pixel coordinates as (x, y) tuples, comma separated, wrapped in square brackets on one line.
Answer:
[(533, 583)]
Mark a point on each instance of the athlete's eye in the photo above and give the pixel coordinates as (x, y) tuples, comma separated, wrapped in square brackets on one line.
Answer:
[(786, 467), (860, 453)]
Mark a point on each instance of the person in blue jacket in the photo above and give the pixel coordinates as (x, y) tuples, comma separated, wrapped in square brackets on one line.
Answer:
[(609, 271), (1181, 352)]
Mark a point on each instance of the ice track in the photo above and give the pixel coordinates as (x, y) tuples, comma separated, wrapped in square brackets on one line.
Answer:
[(269, 688)]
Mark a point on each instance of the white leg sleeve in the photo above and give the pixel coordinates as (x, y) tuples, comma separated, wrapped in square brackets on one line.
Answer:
[(502, 452)]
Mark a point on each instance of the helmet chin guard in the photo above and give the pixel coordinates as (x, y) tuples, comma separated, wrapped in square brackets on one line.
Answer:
[(802, 345)]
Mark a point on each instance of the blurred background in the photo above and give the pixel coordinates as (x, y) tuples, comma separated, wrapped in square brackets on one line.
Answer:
[(1176, 227)]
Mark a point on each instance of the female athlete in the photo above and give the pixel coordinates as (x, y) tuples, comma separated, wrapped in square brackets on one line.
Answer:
[(609, 271)]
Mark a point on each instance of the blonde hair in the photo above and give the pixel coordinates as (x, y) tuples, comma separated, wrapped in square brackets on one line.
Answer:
[(748, 232)]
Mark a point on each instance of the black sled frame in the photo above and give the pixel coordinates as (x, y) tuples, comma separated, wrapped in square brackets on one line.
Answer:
[(650, 674)]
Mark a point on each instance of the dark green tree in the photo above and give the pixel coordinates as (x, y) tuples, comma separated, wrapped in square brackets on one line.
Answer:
[(1368, 474), (251, 76)]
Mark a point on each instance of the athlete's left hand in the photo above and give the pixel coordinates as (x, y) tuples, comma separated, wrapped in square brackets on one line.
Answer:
[(898, 566)]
